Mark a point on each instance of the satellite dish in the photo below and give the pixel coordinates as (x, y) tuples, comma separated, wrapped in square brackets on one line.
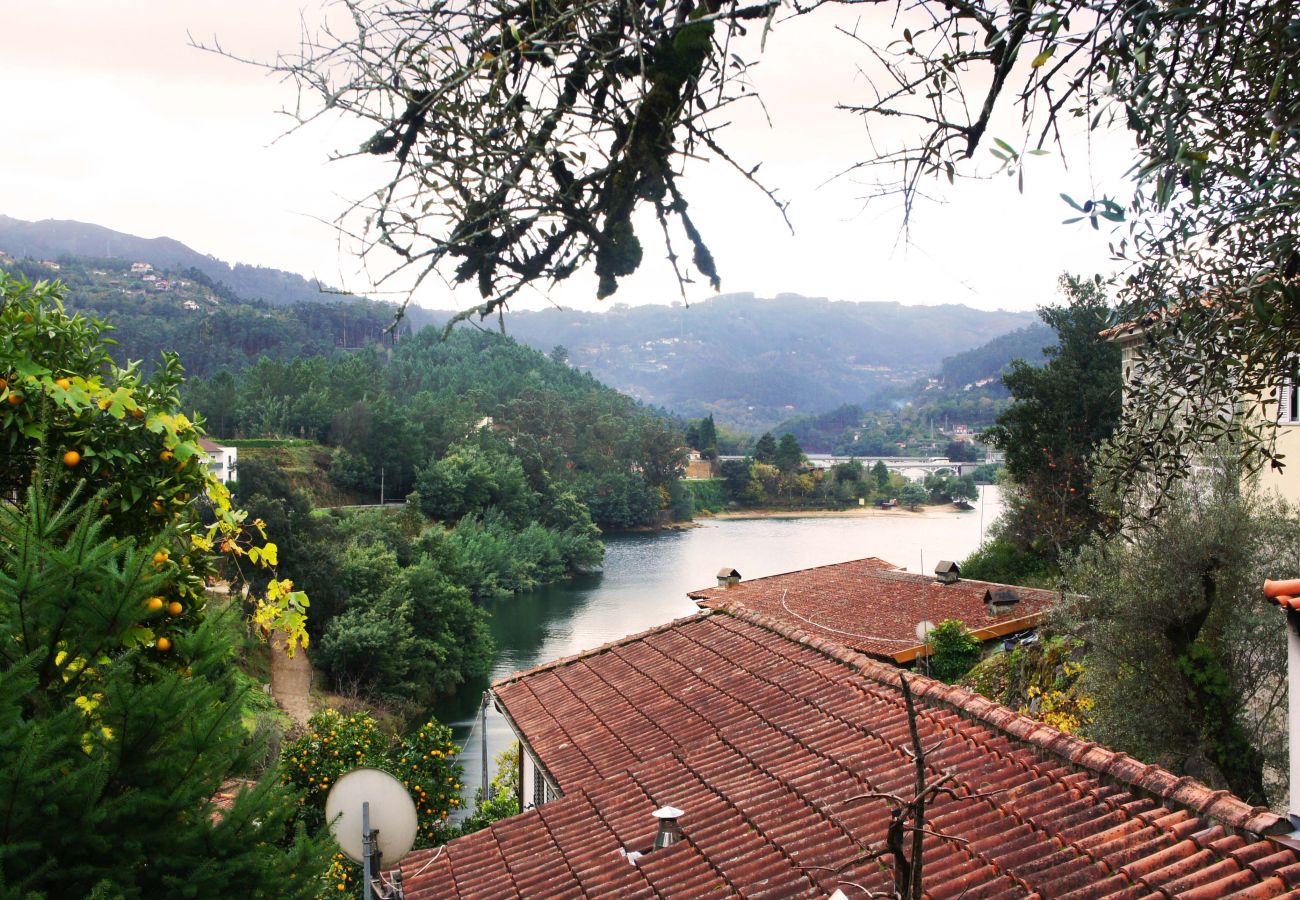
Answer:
[(392, 814), (923, 629)]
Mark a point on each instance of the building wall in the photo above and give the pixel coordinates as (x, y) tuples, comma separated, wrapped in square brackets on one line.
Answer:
[(534, 789), (1286, 483)]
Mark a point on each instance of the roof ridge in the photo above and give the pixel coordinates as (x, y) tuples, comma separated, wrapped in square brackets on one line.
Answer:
[(844, 562), (596, 651), (1185, 791)]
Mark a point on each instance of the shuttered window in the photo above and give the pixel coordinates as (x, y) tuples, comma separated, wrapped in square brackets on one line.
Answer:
[(1288, 397)]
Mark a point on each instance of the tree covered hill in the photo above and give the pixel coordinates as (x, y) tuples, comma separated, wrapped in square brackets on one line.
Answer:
[(209, 324), (753, 362), (966, 390), (52, 239)]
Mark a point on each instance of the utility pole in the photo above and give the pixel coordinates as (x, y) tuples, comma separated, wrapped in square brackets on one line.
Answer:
[(483, 725), (381, 485)]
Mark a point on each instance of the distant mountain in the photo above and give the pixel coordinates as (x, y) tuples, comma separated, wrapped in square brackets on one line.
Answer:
[(983, 366), (753, 362), (53, 238), (966, 391)]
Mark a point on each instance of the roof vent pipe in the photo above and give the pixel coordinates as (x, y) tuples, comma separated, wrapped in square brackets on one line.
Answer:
[(1287, 596), (669, 831), (728, 577)]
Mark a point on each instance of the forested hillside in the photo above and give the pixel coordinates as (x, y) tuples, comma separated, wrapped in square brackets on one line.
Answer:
[(397, 420), (966, 391), (208, 323), (753, 362), (53, 239)]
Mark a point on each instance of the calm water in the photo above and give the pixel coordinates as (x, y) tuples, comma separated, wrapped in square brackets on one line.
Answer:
[(646, 578)]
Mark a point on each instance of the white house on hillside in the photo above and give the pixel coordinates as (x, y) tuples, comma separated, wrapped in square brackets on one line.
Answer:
[(222, 461)]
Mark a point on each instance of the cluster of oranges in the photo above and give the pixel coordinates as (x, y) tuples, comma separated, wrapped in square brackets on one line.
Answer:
[(425, 761)]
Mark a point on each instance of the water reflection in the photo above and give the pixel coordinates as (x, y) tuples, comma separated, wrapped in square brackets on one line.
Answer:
[(646, 578)]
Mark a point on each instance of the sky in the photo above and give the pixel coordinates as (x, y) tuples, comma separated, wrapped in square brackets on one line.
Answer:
[(112, 117)]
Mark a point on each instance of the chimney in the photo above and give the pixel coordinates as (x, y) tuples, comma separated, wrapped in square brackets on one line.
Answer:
[(728, 577), (1287, 596), (669, 831), (1001, 601), (947, 571)]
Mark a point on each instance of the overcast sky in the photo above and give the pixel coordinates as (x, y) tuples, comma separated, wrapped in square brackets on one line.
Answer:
[(112, 118)]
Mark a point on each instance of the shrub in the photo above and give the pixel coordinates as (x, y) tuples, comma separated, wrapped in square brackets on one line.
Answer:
[(953, 650)]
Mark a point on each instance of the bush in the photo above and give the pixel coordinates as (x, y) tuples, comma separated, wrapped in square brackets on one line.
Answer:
[(424, 761), (1000, 560), (953, 650)]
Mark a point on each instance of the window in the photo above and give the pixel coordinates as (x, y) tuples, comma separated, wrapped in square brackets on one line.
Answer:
[(1288, 395)]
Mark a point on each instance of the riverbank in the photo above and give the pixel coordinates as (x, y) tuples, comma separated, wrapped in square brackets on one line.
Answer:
[(853, 512)]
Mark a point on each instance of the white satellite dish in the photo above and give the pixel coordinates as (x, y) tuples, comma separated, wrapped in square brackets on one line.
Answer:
[(378, 796), (923, 629)]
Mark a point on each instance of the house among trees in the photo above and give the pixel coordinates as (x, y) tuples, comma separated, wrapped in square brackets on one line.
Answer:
[(1283, 406), (733, 753), (221, 460)]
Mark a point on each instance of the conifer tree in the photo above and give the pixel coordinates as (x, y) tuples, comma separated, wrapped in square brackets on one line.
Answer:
[(120, 705)]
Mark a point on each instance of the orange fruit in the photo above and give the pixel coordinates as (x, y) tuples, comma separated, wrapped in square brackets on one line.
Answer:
[(4, 383), (71, 458), (153, 604), (15, 399), (174, 609), (164, 644), (161, 556), (166, 456), (63, 383), (157, 506)]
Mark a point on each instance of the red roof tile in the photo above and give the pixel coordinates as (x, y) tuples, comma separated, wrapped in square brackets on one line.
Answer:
[(763, 735), (872, 606)]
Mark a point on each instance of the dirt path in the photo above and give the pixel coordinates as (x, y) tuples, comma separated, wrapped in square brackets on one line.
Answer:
[(291, 681)]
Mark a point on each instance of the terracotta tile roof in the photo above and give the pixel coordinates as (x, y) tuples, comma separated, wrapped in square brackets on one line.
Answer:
[(1285, 594), (762, 734), (872, 606)]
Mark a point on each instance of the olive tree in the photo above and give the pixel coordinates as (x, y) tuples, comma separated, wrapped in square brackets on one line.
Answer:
[(1185, 661)]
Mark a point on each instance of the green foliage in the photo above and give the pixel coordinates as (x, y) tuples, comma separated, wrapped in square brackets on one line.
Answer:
[(953, 650), (420, 422), (1004, 561), (336, 743), (765, 449), (707, 494), (469, 480), (1183, 650), (913, 495), (502, 800), (1062, 413), (112, 740), (789, 455)]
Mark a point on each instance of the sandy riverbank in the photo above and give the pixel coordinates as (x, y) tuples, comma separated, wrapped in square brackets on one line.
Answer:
[(857, 512)]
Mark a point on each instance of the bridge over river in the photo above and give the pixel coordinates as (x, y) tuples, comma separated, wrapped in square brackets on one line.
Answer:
[(914, 468)]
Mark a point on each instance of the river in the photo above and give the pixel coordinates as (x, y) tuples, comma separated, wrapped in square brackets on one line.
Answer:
[(646, 578)]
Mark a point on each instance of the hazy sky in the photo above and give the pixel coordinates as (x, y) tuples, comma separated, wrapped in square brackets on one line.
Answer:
[(111, 117)]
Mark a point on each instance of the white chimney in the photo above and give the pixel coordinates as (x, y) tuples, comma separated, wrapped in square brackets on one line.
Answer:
[(728, 577), (669, 831), (1287, 595)]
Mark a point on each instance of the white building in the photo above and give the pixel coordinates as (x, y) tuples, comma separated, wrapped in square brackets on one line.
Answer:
[(222, 461)]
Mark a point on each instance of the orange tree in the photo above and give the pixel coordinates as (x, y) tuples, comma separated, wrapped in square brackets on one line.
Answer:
[(119, 705)]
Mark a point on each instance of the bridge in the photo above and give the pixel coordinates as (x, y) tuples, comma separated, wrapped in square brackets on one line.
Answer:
[(913, 468)]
